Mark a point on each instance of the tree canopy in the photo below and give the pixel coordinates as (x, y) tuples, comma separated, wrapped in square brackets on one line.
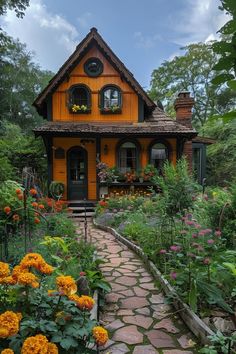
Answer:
[(192, 71), (19, 6)]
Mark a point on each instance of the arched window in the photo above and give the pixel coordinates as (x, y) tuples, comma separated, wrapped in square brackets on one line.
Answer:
[(110, 100), (159, 153), (127, 157), (79, 99)]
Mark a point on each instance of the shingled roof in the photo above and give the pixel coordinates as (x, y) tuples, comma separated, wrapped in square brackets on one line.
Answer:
[(92, 38), (158, 123)]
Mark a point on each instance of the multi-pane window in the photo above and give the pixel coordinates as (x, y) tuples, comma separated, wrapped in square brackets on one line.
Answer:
[(128, 157), (79, 99), (111, 99)]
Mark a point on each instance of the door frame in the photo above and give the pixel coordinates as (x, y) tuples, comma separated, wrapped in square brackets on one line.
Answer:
[(77, 147)]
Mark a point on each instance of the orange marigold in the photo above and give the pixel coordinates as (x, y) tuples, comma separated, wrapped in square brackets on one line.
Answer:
[(20, 196), (7, 351), (28, 278), (18, 191), (16, 271), (100, 335), (85, 303), (45, 269), (33, 191), (66, 284), (9, 324), (7, 210), (4, 270), (52, 348), (41, 206), (36, 261), (35, 345), (74, 297), (8, 280), (34, 205)]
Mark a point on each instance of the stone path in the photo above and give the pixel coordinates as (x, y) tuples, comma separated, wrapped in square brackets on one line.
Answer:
[(135, 313)]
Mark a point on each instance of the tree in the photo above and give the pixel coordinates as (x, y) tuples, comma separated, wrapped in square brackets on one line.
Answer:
[(21, 80), (18, 5), (192, 72)]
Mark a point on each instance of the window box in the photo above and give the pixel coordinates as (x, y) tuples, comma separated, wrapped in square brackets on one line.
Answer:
[(76, 109), (111, 110)]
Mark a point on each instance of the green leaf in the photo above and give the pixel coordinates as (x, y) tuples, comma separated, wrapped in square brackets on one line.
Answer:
[(229, 27), (220, 79), (222, 47), (67, 343), (231, 266), (225, 63), (227, 117), (232, 84), (193, 296)]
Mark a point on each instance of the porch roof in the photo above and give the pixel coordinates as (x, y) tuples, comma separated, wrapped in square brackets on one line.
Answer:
[(164, 126)]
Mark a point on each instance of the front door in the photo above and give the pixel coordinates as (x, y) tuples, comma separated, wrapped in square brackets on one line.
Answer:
[(77, 174)]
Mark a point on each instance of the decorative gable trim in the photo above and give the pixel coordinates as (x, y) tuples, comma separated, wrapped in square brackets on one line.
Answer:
[(93, 37)]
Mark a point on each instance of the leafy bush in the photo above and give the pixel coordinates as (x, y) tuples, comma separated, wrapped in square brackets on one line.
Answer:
[(177, 187), (60, 225)]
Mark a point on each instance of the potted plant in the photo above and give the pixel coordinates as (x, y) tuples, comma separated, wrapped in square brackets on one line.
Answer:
[(74, 108), (149, 172)]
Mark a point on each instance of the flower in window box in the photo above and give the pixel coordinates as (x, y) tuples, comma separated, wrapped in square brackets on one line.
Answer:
[(111, 109), (76, 108)]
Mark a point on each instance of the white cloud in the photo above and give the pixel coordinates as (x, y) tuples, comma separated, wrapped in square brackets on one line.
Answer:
[(199, 21), (49, 35), (146, 42)]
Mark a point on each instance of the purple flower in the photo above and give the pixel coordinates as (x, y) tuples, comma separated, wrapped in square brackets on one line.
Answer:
[(163, 251), (206, 261), (173, 275), (175, 248), (210, 241)]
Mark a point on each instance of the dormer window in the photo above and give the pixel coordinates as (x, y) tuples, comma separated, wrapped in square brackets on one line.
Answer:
[(79, 99), (111, 100)]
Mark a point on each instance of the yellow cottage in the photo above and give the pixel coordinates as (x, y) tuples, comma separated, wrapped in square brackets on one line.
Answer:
[(97, 112)]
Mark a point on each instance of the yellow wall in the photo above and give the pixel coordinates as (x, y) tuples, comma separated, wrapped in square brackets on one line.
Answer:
[(60, 165), (109, 76)]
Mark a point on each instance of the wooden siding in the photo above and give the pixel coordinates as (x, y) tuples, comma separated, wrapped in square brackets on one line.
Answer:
[(109, 76), (60, 165), (144, 143)]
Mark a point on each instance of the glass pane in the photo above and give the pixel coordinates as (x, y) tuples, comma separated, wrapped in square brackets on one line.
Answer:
[(80, 96), (76, 165), (128, 157), (159, 154), (111, 98)]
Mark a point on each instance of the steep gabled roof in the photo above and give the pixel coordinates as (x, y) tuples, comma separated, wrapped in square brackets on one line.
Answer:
[(93, 37)]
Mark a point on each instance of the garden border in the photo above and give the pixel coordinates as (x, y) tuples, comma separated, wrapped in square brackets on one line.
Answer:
[(192, 321)]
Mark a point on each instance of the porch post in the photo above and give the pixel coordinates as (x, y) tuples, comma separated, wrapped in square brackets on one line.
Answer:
[(98, 154)]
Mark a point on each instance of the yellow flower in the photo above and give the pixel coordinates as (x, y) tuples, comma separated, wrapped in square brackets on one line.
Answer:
[(9, 324), (7, 351), (4, 270), (38, 345), (100, 335), (66, 285), (8, 280), (85, 303), (35, 345), (28, 279), (52, 348)]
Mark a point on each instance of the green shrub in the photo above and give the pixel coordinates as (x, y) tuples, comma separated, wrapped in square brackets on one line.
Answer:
[(60, 225)]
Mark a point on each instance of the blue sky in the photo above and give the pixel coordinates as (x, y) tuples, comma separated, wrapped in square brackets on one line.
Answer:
[(143, 33)]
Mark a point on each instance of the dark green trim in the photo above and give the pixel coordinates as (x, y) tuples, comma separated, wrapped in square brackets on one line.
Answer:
[(140, 110), (99, 64), (202, 162), (71, 98), (101, 100), (49, 108), (48, 145), (160, 141), (98, 154)]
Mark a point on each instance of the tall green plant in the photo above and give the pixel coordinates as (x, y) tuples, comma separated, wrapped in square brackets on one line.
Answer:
[(177, 187)]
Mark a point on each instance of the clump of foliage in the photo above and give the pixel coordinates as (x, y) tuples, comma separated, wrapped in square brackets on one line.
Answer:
[(176, 187)]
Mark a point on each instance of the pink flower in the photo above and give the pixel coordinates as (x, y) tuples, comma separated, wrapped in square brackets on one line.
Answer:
[(198, 226), (189, 222), (200, 248), (210, 241), (175, 248), (173, 275), (183, 232), (208, 231), (82, 274), (191, 255), (206, 197), (194, 235), (217, 233), (206, 261), (163, 251)]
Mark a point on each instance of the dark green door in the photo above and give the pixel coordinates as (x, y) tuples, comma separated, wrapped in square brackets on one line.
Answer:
[(77, 174)]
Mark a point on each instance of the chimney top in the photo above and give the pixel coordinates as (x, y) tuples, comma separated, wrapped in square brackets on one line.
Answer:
[(184, 94)]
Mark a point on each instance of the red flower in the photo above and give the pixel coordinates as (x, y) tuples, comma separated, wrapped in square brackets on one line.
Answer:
[(20, 196), (18, 191), (7, 210), (33, 192), (34, 204), (41, 206), (36, 221)]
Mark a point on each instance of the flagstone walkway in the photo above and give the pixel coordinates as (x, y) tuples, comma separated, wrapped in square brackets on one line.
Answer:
[(135, 313)]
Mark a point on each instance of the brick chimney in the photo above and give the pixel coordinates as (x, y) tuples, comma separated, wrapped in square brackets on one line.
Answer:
[(183, 107)]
